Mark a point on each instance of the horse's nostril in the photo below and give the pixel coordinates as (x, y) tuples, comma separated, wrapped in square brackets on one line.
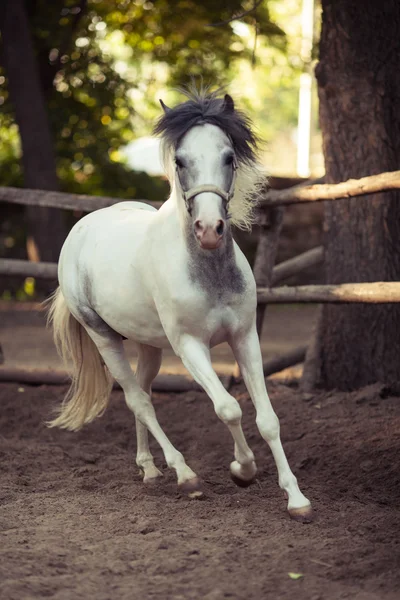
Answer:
[(220, 227), (198, 226)]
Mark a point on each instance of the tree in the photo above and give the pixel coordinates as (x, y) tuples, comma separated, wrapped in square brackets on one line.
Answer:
[(91, 61), (359, 92), (102, 64), (95, 58), (45, 225)]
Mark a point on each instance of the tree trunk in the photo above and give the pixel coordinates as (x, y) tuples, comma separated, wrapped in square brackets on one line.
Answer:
[(45, 225), (359, 92)]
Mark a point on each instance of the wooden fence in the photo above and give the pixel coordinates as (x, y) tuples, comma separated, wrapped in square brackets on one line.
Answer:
[(266, 273)]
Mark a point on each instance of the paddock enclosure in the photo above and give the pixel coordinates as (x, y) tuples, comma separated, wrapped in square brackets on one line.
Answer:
[(77, 522), (267, 274)]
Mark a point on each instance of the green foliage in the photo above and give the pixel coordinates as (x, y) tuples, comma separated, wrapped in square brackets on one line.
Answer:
[(102, 63), (105, 63)]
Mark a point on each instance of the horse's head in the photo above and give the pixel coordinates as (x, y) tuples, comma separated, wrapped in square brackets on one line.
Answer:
[(206, 139), (205, 173)]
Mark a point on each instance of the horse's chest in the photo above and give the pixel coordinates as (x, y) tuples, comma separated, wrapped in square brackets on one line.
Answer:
[(205, 318), (220, 282)]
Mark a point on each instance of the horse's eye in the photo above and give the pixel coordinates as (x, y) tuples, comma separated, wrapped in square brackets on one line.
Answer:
[(179, 163), (229, 159)]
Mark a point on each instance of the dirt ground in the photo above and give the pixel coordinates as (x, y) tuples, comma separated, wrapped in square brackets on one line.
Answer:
[(76, 522)]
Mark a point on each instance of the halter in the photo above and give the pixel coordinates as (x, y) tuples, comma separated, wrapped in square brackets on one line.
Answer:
[(208, 187)]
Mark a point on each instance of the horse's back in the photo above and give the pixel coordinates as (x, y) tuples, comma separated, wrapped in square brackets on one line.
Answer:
[(133, 204), (117, 220), (106, 240)]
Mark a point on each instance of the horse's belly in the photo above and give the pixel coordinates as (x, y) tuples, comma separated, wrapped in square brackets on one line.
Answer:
[(136, 320), (219, 337), (155, 340), (150, 333)]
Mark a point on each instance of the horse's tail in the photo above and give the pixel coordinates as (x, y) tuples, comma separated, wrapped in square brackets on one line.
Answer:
[(91, 384)]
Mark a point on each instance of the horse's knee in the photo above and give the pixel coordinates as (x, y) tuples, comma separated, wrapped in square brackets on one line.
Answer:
[(268, 426), (229, 411)]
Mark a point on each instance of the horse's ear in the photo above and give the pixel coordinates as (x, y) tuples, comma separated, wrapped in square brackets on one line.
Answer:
[(165, 108), (228, 105)]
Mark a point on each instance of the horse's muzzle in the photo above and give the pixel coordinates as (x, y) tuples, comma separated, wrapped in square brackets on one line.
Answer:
[(209, 236)]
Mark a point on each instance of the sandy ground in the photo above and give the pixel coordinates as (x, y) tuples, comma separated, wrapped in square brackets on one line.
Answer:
[(76, 522)]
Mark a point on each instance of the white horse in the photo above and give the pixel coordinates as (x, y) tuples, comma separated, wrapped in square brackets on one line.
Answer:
[(171, 278)]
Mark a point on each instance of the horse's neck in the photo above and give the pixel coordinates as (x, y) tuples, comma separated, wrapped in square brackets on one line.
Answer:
[(215, 271)]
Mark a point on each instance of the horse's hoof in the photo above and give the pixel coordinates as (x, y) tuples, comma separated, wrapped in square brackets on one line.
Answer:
[(192, 488), (151, 475), (243, 483), (152, 480), (237, 474), (302, 515)]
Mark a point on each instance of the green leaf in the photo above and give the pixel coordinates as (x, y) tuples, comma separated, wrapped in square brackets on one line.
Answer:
[(295, 575)]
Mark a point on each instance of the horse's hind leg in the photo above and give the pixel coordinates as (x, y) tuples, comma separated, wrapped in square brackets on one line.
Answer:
[(149, 362), (112, 351)]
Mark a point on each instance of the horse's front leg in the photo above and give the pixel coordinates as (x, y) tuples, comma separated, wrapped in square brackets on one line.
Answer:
[(196, 358), (246, 349)]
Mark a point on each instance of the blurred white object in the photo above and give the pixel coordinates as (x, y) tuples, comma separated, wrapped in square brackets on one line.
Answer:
[(144, 155)]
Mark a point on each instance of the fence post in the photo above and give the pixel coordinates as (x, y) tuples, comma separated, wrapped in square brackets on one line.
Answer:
[(270, 222), (270, 227)]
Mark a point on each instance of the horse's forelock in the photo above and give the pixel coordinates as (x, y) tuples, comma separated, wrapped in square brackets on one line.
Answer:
[(206, 107)]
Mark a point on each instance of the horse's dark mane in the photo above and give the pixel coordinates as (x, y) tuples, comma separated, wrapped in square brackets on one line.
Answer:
[(206, 107)]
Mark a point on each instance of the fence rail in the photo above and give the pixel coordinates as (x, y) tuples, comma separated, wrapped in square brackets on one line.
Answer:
[(163, 383), (377, 292), (297, 264), (332, 191), (61, 200), (26, 268), (47, 270), (294, 195)]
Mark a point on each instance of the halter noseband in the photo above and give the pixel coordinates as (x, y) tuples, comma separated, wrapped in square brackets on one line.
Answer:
[(188, 195)]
